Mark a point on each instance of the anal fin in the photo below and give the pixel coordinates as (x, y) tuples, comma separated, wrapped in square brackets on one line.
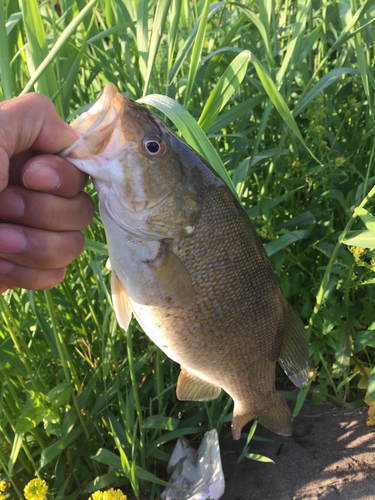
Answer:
[(120, 302), (192, 388), (173, 277), (294, 356)]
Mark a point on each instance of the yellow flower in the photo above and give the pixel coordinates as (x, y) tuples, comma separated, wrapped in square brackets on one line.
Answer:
[(108, 495), (340, 160), (35, 490), (3, 485)]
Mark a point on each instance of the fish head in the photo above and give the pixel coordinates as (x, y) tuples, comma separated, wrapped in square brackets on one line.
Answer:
[(127, 151)]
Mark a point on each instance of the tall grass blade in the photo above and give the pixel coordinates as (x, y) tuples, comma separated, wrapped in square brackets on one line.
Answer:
[(5, 73), (157, 31), (224, 89), (142, 36), (43, 70), (279, 103), (197, 51), (185, 49), (38, 50), (262, 31)]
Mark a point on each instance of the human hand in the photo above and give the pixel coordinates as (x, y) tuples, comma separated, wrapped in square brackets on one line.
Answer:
[(42, 208)]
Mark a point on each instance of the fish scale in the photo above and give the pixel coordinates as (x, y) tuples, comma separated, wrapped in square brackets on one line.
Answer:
[(188, 263)]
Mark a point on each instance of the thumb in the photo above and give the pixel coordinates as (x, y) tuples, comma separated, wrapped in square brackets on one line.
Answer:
[(30, 122)]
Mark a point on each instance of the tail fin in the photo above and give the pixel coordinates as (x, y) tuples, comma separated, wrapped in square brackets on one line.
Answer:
[(277, 419), (294, 356)]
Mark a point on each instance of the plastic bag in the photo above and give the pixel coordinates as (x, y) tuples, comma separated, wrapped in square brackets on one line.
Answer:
[(199, 473)]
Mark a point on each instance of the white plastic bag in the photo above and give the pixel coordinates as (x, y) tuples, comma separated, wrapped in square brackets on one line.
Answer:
[(198, 473)]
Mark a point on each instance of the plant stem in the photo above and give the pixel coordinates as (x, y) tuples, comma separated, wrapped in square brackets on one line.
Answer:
[(129, 347), (323, 286)]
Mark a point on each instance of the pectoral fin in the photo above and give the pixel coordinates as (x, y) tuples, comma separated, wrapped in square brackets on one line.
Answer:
[(192, 388), (120, 302), (173, 277), (294, 356)]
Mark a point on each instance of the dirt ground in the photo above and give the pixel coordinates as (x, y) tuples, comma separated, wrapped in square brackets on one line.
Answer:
[(331, 456)]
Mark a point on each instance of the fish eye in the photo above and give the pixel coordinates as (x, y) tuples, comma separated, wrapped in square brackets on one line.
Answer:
[(153, 146)]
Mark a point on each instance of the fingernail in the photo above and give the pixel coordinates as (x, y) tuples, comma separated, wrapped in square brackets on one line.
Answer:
[(12, 240), (39, 177), (5, 266), (12, 205)]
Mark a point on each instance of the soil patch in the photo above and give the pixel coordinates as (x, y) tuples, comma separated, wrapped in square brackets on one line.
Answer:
[(330, 456)]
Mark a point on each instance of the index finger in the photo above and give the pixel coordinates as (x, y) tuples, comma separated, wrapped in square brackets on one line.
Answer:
[(30, 121)]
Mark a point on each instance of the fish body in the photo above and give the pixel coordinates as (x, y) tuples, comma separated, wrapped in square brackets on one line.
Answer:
[(188, 263)]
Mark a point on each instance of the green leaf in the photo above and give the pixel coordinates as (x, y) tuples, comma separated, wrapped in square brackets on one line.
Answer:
[(323, 83), (161, 12), (363, 239), (142, 36), (363, 339), (196, 55), (224, 89), (101, 482), (258, 458), (12, 21), (161, 422), (183, 52), (304, 219), (367, 219), (234, 113), (172, 435), (60, 395), (294, 47), (96, 246), (16, 447), (284, 241), (43, 70), (30, 419), (269, 204), (37, 44), (191, 131), (55, 449), (371, 385), (279, 103), (5, 71), (108, 458), (261, 28), (302, 394)]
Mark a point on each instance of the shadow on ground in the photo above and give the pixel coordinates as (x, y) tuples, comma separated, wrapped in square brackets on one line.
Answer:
[(331, 456)]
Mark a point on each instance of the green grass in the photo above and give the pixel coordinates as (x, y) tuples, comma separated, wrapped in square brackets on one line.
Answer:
[(285, 93)]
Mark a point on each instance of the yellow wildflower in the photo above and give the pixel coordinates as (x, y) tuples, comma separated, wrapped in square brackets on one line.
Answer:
[(108, 495), (3, 486), (35, 490), (359, 254), (340, 160)]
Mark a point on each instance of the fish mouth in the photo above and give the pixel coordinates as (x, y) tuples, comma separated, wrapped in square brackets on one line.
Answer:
[(97, 127), (103, 110)]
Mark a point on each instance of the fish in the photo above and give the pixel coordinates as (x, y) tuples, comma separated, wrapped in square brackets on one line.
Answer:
[(188, 263)]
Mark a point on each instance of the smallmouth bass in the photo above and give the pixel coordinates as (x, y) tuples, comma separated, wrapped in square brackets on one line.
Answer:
[(187, 262)]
